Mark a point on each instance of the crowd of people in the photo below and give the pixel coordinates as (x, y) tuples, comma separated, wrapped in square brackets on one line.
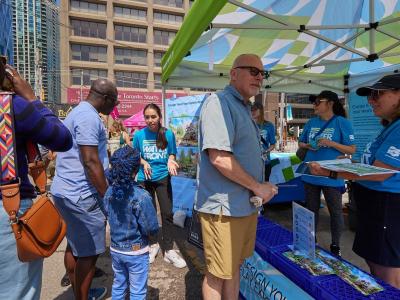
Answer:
[(106, 176)]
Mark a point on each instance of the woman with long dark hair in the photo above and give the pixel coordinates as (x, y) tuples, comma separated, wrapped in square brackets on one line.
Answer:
[(157, 148), (327, 136)]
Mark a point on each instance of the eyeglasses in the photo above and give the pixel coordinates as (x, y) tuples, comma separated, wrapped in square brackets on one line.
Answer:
[(112, 98), (254, 71), (375, 94), (319, 101)]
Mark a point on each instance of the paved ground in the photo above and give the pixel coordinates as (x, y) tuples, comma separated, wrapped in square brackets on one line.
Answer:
[(169, 283)]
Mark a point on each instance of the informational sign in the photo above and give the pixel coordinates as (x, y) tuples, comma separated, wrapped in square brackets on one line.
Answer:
[(260, 280), (366, 125), (182, 116), (131, 101), (303, 230)]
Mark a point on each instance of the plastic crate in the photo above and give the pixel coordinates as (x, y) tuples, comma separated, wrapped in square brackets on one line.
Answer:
[(263, 222), (271, 237), (301, 277), (335, 288)]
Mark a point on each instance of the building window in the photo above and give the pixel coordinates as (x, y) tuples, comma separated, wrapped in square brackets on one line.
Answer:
[(130, 34), (87, 76), (157, 58), (89, 29), (88, 7), (130, 56), (157, 81), (167, 18), (131, 79), (133, 13), (89, 53), (172, 3), (162, 37)]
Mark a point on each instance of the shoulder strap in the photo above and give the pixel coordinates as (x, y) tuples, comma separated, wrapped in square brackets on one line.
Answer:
[(9, 178), (325, 125)]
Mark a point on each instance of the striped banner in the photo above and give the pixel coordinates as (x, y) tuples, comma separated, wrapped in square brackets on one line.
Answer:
[(8, 171)]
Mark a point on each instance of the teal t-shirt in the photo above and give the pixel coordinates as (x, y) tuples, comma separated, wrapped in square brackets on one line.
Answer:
[(385, 148), (145, 141), (338, 130)]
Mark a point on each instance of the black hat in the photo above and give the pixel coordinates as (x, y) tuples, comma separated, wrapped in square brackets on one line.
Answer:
[(329, 95), (388, 82)]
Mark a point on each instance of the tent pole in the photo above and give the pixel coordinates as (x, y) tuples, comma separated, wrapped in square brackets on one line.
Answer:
[(396, 37), (372, 30), (388, 48), (163, 95), (388, 21), (277, 27)]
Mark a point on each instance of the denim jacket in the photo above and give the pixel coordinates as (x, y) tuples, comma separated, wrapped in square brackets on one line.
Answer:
[(131, 216)]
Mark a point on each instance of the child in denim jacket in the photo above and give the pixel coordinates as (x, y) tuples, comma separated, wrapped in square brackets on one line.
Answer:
[(132, 220)]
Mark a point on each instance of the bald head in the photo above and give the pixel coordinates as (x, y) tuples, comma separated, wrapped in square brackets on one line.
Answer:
[(104, 87), (244, 59), (103, 95)]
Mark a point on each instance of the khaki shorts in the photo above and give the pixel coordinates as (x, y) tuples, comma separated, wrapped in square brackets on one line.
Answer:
[(227, 242)]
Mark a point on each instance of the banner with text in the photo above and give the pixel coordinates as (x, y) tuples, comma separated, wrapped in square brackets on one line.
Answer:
[(131, 102), (260, 280)]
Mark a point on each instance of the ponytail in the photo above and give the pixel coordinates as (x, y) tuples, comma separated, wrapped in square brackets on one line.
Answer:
[(161, 141), (338, 109)]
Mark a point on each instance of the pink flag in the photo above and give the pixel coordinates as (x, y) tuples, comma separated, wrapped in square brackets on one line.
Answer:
[(115, 113)]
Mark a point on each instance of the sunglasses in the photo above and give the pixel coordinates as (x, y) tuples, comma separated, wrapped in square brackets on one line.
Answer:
[(375, 94), (319, 101), (254, 71), (106, 96)]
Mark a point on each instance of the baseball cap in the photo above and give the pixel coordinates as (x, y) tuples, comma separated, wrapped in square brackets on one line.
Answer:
[(388, 82), (329, 95)]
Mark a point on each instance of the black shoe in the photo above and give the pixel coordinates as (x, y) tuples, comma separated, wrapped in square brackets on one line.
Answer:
[(65, 280), (335, 250), (99, 273)]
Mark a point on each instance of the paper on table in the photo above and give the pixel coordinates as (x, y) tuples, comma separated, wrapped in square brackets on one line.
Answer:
[(345, 165)]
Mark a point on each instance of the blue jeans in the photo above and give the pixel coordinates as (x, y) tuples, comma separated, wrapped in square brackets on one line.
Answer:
[(18, 280), (133, 269)]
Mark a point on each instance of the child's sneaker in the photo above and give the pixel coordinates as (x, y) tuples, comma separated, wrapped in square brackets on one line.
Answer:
[(172, 257), (97, 293), (153, 252)]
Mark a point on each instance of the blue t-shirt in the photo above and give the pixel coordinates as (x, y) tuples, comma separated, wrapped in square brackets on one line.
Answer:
[(339, 130), (385, 148), (145, 141), (267, 131), (87, 129)]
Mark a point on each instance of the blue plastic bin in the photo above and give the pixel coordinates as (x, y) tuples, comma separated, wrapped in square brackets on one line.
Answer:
[(271, 237)]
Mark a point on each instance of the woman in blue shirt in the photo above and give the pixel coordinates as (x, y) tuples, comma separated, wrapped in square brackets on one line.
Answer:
[(157, 148), (326, 137), (377, 197), (267, 133)]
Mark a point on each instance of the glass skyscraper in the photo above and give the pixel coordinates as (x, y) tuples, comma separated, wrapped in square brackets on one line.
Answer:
[(36, 45), (6, 33)]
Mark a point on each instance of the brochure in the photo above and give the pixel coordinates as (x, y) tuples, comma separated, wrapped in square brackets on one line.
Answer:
[(356, 168), (325, 264)]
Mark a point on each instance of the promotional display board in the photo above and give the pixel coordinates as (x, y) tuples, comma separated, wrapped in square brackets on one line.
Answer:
[(365, 124), (182, 116), (303, 230), (260, 280)]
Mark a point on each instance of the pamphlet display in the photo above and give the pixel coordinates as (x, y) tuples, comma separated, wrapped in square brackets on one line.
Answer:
[(303, 231)]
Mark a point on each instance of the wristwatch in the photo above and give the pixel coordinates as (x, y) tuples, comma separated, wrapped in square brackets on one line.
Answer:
[(333, 174)]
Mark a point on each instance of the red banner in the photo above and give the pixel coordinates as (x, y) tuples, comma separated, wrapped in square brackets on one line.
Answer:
[(131, 102)]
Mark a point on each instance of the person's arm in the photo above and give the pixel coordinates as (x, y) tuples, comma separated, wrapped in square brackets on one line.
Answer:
[(94, 168), (172, 165), (126, 137), (316, 169), (346, 149), (228, 166), (270, 148)]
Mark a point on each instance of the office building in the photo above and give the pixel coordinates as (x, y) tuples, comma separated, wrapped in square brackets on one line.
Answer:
[(36, 49), (121, 40), (6, 32)]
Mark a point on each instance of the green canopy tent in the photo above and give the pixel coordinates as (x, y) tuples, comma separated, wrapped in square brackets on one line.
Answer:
[(307, 45)]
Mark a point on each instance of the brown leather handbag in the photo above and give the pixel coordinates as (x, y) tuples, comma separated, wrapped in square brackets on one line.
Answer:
[(40, 230)]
